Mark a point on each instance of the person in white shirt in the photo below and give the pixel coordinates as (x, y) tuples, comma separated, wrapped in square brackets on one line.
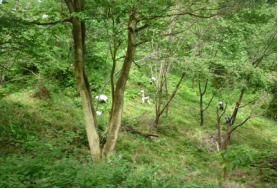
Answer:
[(152, 80), (145, 97), (221, 105)]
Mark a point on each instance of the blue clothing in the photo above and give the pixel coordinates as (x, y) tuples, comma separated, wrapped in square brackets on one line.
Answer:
[(227, 119)]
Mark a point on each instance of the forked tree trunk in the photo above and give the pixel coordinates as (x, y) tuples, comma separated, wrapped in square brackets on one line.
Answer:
[(159, 113), (222, 145), (159, 93), (84, 87)]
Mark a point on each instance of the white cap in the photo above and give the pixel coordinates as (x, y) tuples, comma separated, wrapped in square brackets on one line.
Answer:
[(44, 16)]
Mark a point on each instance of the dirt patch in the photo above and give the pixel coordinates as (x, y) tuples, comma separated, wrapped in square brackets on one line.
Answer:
[(43, 92), (211, 142), (145, 121)]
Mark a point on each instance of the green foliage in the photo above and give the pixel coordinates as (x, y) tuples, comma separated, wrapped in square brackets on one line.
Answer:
[(237, 156), (44, 141), (267, 164), (47, 172), (272, 110), (13, 127)]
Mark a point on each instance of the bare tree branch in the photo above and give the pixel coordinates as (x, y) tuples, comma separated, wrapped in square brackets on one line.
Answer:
[(15, 79), (173, 94), (29, 71), (149, 39), (120, 58), (143, 27), (53, 23), (247, 103), (169, 15), (211, 98), (251, 116)]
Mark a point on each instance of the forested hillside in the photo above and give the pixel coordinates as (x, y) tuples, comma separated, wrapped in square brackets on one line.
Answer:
[(135, 93)]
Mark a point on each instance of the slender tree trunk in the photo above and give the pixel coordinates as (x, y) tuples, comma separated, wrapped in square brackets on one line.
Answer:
[(193, 81), (201, 110), (2, 77), (166, 88), (233, 117), (168, 38), (116, 112), (201, 103), (201, 100), (159, 93), (218, 129), (222, 145), (159, 113), (225, 147)]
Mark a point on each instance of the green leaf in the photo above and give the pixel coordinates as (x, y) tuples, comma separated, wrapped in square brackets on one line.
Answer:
[(223, 166), (231, 166), (222, 151), (251, 157)]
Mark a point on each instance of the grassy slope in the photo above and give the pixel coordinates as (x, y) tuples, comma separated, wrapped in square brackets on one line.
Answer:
[(183, 148)]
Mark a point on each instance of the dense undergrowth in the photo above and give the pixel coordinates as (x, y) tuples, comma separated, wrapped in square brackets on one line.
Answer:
[(44, 144)]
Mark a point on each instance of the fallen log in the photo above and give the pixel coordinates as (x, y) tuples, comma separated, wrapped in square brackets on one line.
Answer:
[(146, 135)]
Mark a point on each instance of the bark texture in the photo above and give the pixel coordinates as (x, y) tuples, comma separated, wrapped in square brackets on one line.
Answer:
[(118, 100), (82, 82), (159, 112), (201, 100)]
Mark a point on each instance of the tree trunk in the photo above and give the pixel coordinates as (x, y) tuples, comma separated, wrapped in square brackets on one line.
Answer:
[(193, 81), (225, 147), (159, 92), (158, 114), (82, 82), (202, 117), (170, 52), (233, 117), (116, 112), (201, 100), (156, 121), (2, 77), (218, 130), (166, 88), (84, 89), (222, 145), (201, 106)]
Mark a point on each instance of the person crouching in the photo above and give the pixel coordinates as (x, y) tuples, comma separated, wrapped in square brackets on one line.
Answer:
[(145, 97)]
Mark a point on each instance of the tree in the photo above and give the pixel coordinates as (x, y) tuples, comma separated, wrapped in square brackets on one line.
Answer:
[(132, 14)]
